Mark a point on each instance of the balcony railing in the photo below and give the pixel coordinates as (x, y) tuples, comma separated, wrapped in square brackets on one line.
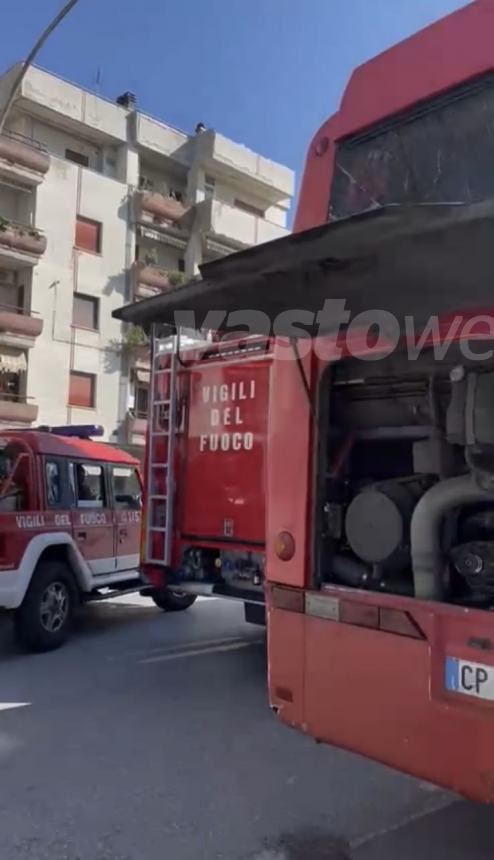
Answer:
[(160, 207), (16, 409), (235, 225), (20, 237), (14, 320), (149, 278), (25, 151)]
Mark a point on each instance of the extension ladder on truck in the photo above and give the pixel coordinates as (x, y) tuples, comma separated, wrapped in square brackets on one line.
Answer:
[(161, 442)]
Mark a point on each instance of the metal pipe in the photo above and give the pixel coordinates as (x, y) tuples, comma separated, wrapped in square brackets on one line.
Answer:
[(425, 532), (30, 59)]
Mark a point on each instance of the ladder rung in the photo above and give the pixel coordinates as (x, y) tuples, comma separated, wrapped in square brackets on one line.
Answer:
[(158, 529), (160, 432), (159, 465), (161, 402), (162, 370), (154, 497)]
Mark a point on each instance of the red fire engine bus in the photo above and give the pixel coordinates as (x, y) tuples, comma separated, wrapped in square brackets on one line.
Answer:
[(380, 469), (70, 518)]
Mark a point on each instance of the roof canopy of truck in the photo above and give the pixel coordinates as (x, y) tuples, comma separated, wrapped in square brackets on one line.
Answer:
[(421, 260)]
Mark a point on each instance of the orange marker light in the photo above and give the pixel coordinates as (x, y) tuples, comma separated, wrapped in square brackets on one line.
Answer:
[(284, 546)]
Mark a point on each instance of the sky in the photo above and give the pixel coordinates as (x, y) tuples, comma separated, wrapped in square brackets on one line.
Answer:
[(265, 73)]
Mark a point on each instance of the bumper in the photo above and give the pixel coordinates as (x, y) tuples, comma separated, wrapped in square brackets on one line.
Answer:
[(12, 589)]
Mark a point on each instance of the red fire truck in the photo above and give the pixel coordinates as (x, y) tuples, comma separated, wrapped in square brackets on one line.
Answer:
[(379, 493), (205, 471), (70, 517)]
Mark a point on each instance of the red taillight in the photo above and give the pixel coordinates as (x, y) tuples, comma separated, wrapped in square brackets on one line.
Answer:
[(284, 546)]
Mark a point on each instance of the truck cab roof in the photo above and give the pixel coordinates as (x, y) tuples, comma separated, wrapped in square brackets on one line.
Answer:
[(44, 442)]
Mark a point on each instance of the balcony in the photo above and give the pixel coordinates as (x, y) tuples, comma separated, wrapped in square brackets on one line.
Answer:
[(270, 180), (20, 245), (67, 106), (149, 279), (15, 410), (160, 138), (160, 210), (235, 227), (136, 428), (22, 159), (17, 328)]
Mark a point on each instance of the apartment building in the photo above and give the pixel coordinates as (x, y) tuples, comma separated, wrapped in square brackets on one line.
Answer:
[(101, 205)]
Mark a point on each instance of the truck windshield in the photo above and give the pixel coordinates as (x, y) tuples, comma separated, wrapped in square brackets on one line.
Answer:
[(440, 152)]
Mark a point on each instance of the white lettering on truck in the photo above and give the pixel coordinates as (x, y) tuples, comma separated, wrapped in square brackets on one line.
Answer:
[(30, 521), (93, 519), (227, 416)]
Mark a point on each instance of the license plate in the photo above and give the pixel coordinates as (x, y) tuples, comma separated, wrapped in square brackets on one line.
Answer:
[(470, 679)]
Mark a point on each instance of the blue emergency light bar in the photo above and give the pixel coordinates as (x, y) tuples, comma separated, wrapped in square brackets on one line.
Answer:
[(77, 431)]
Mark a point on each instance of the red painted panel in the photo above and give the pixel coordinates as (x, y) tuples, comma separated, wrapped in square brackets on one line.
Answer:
[(383, 695), (289, 488), (313, 201), (286, 635), (224, 469)]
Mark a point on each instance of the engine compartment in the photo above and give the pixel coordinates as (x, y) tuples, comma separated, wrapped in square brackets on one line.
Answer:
[(407, 476)]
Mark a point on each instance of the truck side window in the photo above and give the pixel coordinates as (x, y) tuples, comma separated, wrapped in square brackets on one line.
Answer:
[(14, 478), (53, 483), (88, 485), (126, 487)]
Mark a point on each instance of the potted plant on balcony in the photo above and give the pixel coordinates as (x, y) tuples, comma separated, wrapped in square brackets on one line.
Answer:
[(135, 342), (176, 279)]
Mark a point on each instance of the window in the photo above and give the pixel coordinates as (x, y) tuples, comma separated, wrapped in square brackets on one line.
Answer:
[(15, 477), (247, 207), (88, 485), (181, 265), (126, 487), (209, 186), (82, 389), (141, 401), (53, 483), (88, 235), (441, 151), (85, 312), (77, 157)]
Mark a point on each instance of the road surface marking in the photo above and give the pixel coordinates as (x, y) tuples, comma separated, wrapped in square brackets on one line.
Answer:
[(440, 802), (8, 706), (158, 650), (196, 652)]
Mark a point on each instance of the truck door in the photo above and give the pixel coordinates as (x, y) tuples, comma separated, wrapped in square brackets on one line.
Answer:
[(92, 517), (125, 487)]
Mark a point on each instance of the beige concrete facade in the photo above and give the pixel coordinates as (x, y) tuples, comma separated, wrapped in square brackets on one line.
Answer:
[(101, 205)]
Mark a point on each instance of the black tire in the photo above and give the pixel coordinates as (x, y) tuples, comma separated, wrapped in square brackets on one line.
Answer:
[(172, 601), (42, 622)]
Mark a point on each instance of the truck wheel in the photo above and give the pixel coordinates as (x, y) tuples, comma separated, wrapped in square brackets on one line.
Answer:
[(42, 622), (172, 601)]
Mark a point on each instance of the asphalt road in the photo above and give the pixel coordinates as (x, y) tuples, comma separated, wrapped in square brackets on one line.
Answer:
[(148, 737)]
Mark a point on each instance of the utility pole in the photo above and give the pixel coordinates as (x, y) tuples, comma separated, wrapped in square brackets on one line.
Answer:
[(30, 59)]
